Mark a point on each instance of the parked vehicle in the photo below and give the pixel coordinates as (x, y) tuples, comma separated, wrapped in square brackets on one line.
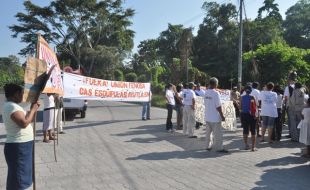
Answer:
[(75, 106)]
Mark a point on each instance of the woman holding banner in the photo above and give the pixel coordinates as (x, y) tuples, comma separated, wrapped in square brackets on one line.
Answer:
[(19, 141)]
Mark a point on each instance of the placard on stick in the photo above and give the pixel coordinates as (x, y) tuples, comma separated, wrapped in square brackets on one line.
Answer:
[(35, 79)]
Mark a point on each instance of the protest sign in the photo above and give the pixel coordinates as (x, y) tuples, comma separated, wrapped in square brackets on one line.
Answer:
[(87, 88), (44, 52), (34, 77)]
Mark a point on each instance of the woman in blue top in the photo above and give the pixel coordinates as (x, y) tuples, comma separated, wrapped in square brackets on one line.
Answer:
[(248, 118), (19, 138)]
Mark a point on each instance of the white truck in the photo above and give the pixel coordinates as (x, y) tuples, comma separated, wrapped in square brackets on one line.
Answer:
[(75, 106)]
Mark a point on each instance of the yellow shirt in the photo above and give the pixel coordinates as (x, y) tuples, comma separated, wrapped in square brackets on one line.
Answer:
[(14, 133)]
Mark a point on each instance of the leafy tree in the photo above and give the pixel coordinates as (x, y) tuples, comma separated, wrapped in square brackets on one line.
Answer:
[(168, 44), (89, 33), (215, 47), (297, 28), (10, 70), (271, 9), (274, 61), (148, 52)]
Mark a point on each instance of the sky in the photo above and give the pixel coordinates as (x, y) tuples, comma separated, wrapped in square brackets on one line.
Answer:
[(151, 18)]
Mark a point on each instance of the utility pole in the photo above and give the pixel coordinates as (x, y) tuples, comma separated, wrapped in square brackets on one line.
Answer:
[(240, 47)]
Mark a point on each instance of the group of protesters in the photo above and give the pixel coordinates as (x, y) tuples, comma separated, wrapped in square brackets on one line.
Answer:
[(182, 98), (269, 109), (262, 111)]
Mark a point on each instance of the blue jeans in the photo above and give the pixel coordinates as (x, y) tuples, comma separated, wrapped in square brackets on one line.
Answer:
[(146, 110), (18, 157)]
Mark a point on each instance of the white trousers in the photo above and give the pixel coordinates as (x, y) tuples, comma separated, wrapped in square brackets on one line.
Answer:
[(57, 120), (216, 128), (188, 120)]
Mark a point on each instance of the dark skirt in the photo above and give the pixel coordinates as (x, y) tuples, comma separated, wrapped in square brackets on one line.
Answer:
[(18, 157)]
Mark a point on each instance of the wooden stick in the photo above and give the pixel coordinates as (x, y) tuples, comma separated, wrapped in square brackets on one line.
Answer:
[(54, 126), (33, 153)]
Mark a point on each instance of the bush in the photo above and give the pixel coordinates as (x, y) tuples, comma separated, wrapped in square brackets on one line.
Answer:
[(158, 89), (158, 100), (142, 78), (131, 77)]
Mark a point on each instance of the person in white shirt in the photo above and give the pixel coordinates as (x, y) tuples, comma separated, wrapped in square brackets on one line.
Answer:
[(189, 97), (268, 110), (170, 106), (255, 93), (214, 116)]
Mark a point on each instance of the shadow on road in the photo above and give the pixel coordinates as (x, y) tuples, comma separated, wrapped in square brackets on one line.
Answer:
[(285, 179), (283, 161), (192, 148), (197, 154)]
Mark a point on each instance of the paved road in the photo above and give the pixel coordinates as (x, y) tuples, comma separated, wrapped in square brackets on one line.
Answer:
[(112, 149)]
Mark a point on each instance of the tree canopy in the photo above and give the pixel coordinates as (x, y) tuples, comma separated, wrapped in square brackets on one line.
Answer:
[(87, 33), (96, 36)]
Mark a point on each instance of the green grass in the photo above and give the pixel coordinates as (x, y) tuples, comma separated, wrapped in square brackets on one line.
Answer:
[(158, 101)]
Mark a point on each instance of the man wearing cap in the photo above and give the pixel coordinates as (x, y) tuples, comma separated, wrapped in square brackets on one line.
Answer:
[(189, 97), (214, 116)]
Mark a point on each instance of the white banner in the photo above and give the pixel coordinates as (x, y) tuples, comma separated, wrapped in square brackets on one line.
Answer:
[(86, 88)]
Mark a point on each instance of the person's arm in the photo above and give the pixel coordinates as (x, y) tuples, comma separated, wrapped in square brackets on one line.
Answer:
[(193, 100), (193, 103), (219, 109), (23, 120), (219, 106)]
